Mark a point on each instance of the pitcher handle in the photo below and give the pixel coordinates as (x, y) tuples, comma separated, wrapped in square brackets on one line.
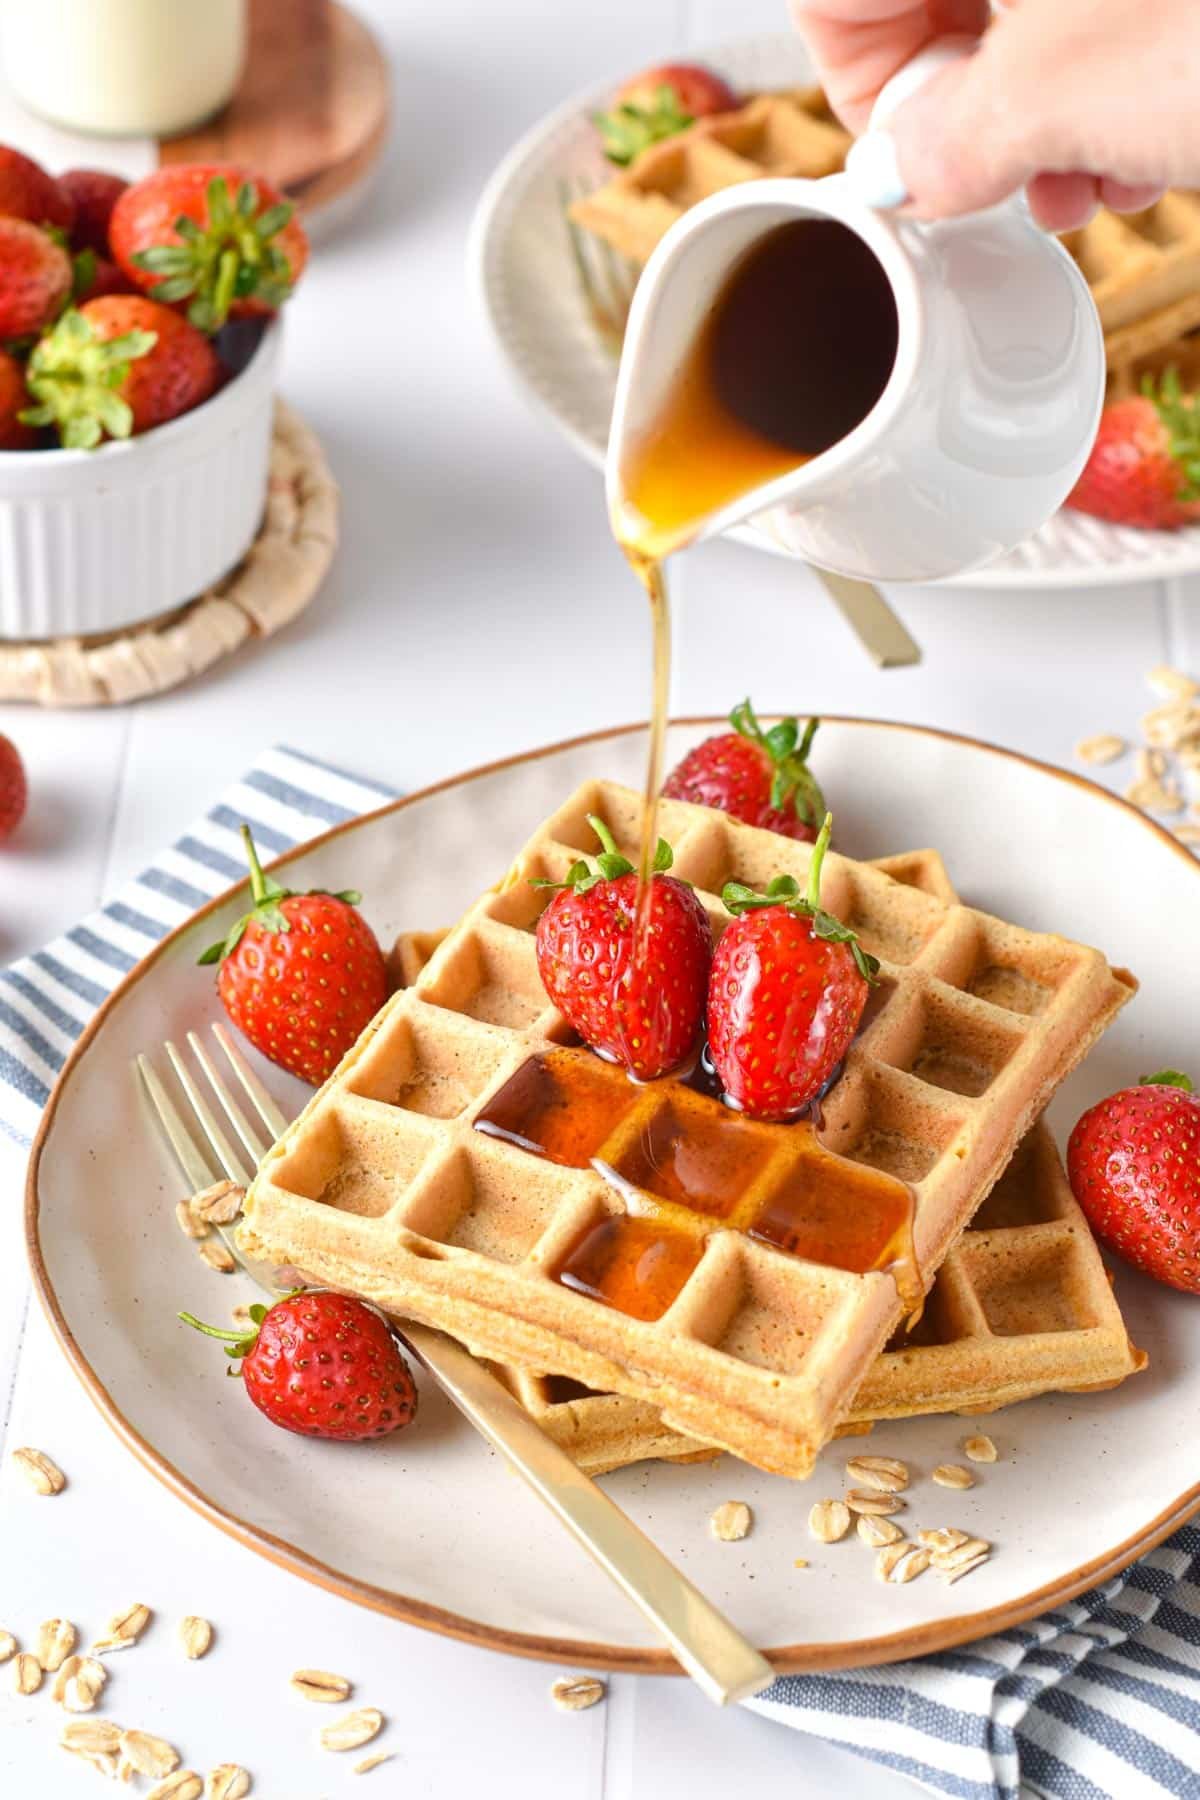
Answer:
[(871, 165)]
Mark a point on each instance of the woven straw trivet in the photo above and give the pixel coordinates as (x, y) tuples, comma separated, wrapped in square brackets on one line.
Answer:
[(274, 582)]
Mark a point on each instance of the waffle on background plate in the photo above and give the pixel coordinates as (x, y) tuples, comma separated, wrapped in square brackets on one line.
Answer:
[(385, 1185), (1143, 268), (1021, 1306)]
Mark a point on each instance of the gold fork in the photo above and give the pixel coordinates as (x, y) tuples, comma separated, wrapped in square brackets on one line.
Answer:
[(717, 1657)]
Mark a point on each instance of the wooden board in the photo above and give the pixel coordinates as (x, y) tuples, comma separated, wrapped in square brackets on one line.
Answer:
[(311, 111)]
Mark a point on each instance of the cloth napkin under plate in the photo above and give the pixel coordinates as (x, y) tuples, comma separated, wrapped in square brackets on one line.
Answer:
[(1098, 1700)]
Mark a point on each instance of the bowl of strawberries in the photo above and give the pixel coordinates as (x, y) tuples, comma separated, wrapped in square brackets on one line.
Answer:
[(141, 338)]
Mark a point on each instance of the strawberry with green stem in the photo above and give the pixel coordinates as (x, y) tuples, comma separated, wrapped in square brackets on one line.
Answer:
[(788, 986), (1144, 467), (300, 975), (208, 234), (320, 1364), (658, 104), (117, 366), (759, 776), (637, 998)]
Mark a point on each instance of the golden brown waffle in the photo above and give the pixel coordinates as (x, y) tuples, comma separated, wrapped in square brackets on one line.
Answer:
[(384, 1186), (1143, 268), (791, 133), (1022, 1304)]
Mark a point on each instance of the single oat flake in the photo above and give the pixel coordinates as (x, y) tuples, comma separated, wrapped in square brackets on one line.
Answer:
[(99, 1737), (1105, 747), (953, 1475), (870, 1500), (217, 1254), (980, 1449), (55, 1642), (367, 1763), (318, 1684), (196, 1635), (149, 1755), (124, 1629), (84, 1686), (829, 1520), (950, 1576), (575, 1693), (8, 1646), (884, 1474), (219, 1204), (40, 1471), (352, 1730), (876, 1532), (188, 1223), (27, 1673), (228, 1781), (1172, 684), (731, 1521), (185, 1784)]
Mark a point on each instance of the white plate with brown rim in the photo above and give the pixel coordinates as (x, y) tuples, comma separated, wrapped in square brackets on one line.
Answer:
[(525, 274), (429, 1525)]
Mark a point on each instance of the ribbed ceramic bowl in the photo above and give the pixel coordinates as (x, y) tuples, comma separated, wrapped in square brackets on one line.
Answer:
[(95, 540)]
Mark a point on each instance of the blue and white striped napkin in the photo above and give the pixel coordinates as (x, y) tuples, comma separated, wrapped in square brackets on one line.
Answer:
[(1098, 1699)]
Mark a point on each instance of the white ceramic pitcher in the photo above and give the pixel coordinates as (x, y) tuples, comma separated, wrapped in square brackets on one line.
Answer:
[(990, 410)]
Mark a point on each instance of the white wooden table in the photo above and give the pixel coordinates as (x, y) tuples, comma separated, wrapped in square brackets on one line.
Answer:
[(477, 607)]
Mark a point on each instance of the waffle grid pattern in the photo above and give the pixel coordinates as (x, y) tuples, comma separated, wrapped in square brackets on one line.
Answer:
[(384, 1187)]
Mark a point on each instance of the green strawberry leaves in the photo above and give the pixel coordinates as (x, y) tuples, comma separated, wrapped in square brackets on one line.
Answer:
[(267, 894), (629, 128), (610, 864), (783, 890), (1181, 421), (229, 259), (1169, 1078), (793, 783), (72, 375)]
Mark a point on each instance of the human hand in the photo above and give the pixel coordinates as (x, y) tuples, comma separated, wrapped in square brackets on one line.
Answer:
[(1083, 102)]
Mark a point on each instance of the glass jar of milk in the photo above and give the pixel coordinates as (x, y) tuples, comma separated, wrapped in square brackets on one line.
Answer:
[(150, 67)]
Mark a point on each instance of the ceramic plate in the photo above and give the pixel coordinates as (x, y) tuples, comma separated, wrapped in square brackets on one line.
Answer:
[(430, 1525), (525, 274)]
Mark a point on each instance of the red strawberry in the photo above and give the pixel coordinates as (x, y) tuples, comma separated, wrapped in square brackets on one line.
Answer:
[(323, 1365), (301, 974), (1144, 468), (35, 278), (117, 366), (93, 194), (13, 789), (759, 776), (658, 103), (27, 191), (14, 434), (209, 234), (787, 991), (644, 1010), (1134, 1164)]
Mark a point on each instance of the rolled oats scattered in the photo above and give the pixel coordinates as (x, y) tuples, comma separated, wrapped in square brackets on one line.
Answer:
[(318, 1684), (953, 1475), (889, 1555), (1105, 747), (217, 1254), (875, 1531), (864, 1500), (196, 1635), (1172, 683), (883, 1473), (950, 1576), (149, 1755), (219, 1204), (27, 1673), (575, 1693), (1157, 796), (731, 1521), (351, 1730), (368, 1763), (980, 1449), (185, 1784), (124, 1629), (954, 1555), (56, 1639), (829, 1520), (1172, 726), (40, 1471), (228, 1781), (188, 1223), (8, 1646), (95, 1736)]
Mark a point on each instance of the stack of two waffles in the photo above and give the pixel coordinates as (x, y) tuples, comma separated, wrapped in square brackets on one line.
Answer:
[(659, 1275)]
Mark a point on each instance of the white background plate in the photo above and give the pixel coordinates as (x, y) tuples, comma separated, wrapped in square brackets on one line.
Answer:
[(523, 268), (430, 1523)]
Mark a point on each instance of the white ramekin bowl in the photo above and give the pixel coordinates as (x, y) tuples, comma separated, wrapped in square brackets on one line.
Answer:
[(92, 541)]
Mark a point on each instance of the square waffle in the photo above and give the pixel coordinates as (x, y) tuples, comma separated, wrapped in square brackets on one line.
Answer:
[(1022, 1304), (450, 1170), (1143, 268)]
